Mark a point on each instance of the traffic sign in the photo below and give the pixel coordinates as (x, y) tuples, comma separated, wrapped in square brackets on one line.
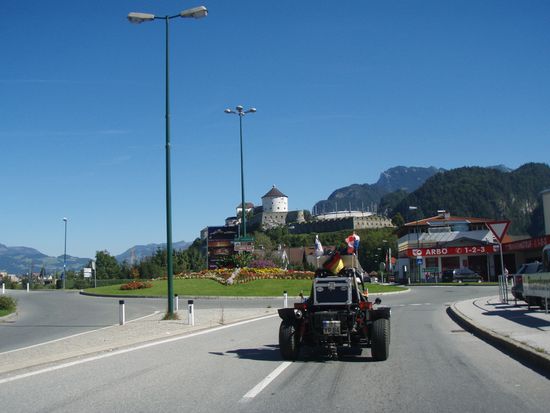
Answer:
[(240, 246), (498, 228), (419, 260)]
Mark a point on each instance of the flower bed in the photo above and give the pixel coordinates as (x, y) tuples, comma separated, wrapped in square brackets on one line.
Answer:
[(136, 285), (228, 276)]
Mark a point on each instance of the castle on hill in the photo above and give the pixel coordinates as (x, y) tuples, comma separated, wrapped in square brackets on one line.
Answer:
[(274, 213)]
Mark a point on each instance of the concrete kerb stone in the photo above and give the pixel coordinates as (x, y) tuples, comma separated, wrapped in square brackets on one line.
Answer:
[(229, 297), (512, 347)]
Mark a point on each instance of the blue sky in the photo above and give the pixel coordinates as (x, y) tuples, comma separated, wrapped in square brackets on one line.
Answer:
[(344, 90)]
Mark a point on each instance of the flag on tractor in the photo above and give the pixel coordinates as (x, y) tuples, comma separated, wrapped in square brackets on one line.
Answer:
[(353, 243), (318, 247), (334, 264)]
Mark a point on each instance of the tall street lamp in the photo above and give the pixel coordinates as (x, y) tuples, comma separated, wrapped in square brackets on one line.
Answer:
[(65, 254), (196, 13), (241, 112), (417, 230), (385, 257)]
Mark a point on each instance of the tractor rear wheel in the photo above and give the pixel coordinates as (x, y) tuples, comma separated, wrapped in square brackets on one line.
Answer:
[(380, 346), (289, 342)]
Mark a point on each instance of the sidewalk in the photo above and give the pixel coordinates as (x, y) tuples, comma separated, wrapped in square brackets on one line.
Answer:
[(107, 339), (524, 333)]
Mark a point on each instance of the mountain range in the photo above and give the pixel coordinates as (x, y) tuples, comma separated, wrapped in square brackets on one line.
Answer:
[(138, 252), (480, 192), (496, 192), (394, 182), (22, 260), (366, 197)]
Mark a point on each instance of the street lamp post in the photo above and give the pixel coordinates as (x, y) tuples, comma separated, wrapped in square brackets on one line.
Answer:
[(196, 13), (415, 208), (65, 254), (384, 257), (239, 110)]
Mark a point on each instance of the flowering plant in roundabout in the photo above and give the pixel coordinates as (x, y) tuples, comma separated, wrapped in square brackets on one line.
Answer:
[(228, 276), (136, 285)]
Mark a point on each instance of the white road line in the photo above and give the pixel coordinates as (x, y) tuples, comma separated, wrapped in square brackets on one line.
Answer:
[(265, 382), (74, 335), (129, 350)]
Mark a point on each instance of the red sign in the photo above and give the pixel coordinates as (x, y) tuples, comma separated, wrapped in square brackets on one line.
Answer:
[(444, 251), (527, 244), (498, 228)]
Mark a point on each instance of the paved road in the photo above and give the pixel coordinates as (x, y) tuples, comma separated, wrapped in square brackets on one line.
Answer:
[(48, 315), (433, 367)]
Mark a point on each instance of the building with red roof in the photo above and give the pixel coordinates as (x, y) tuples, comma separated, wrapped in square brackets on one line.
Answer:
[(427, 247)]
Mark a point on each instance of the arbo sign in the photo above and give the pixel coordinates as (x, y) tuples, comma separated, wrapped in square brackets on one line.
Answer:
[(445, 251)]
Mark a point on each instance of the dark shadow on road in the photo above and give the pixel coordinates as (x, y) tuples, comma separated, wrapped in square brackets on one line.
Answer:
[(524, 357), (523, 317), (264, 353), (307, 355)]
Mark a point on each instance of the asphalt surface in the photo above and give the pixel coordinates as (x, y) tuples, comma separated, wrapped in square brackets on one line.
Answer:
[(434, 366), (511, 326), (47, 315)]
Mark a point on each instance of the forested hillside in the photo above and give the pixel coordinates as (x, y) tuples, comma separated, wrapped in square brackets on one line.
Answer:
[(481, 192), (366, 197)]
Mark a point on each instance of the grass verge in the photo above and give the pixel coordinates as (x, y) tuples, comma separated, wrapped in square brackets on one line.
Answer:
[(257, 288), (4, 313), (8, 305)]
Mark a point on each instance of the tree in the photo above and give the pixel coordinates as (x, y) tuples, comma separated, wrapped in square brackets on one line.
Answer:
[(263, 241), (107, 266), (398, 220)]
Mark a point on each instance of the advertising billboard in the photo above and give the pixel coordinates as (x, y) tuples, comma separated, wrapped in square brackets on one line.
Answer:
[(220, 244)]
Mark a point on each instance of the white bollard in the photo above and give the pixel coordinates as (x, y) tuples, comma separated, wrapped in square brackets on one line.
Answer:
[(121, 313), (28, 287), (285, 300), (190, 313), (176, 303), (3, 289)]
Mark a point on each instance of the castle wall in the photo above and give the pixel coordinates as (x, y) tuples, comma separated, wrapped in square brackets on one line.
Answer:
[(340, 224)]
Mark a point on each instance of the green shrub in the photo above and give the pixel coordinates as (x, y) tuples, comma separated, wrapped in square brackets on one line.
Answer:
[(7, 303), (8, 282)]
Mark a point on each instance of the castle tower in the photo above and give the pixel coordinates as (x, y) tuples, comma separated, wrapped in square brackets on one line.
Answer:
[(275, 201)]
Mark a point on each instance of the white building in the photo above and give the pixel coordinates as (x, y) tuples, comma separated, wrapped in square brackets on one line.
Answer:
[(275, 201)]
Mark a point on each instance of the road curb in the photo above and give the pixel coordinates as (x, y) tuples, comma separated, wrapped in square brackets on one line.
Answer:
[(524, 353), (222, 297)]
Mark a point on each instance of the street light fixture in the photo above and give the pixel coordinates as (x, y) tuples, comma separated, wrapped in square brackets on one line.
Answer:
[(417, 230), (239, 110), (65, 254), (196, 13)]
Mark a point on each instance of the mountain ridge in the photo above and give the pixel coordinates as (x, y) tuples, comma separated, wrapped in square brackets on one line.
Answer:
[(367, 196), (20, 259), (484, 193)]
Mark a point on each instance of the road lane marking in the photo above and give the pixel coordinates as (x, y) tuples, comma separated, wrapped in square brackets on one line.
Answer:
[(74, 335), (265, 382), (410, 305), (131, 349)]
